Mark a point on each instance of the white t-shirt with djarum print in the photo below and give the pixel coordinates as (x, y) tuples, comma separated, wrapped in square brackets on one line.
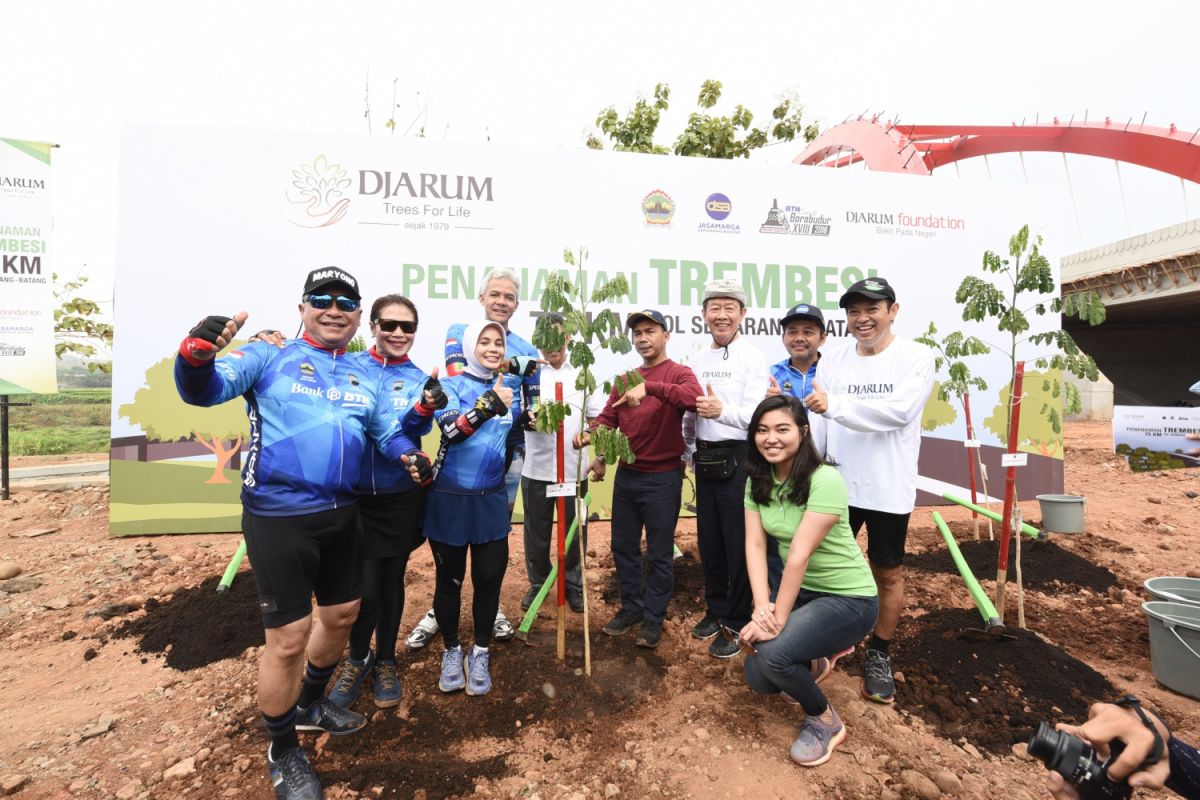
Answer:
[(873, 425)]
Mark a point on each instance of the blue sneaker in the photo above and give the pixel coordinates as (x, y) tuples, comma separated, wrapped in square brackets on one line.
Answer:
[(817, 740), (453, 676), (293, 777), (387, 688), (479, 680), (329, 717), (350, 680)]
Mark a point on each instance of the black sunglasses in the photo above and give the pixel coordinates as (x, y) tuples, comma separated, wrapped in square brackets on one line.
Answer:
[(390, 325), (324, 301)]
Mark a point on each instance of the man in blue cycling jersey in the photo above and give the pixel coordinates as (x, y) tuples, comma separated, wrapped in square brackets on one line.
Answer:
[(312, 413)]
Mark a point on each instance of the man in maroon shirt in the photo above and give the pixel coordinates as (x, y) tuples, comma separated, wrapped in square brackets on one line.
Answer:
[(647, 492)]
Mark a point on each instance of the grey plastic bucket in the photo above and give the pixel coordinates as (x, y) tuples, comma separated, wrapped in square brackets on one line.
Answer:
[(1175, 645), (1173, 589), (1062, 513)]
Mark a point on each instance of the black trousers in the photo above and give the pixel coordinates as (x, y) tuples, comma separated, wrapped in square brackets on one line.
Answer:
[(541, 534), (648, 500), (721, 535), (488, 563)]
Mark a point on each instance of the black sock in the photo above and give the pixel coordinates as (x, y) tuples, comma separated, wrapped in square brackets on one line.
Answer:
[(283, 732), (881, 645), (315, 680)]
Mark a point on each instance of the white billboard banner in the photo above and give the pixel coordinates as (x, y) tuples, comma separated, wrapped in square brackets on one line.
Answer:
[(214, 221), (27, 360)]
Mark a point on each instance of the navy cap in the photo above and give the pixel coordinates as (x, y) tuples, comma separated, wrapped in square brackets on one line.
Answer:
[(871, 288), (646, 314), (332, 276), (803, 311)]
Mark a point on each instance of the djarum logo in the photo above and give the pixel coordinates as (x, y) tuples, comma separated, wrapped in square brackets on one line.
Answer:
[(317, 198)]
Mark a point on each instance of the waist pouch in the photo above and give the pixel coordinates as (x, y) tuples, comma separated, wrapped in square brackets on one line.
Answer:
[(718, 463)]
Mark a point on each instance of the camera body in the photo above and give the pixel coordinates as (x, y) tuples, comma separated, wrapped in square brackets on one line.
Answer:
[(1078, 763)]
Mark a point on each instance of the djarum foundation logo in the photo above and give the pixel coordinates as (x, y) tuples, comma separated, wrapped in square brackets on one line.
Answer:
[(317, 196)]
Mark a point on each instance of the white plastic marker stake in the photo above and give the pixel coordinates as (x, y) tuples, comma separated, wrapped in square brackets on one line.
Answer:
[(1020, 586)]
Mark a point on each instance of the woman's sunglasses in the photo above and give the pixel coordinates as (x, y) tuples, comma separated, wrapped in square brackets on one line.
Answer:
[(324, 301), (390, 325)]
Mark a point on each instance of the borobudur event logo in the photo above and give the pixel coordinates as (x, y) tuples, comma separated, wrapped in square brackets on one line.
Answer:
[(317, 196)]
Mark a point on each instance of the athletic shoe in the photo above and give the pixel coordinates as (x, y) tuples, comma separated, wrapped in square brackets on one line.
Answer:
[(624, 621), (350, 680), (479, 680), (575, 601), (502, 629), (387, 688), (330, 718), (725, 646), (293, 777), (877, 682), (650, 634), (426, 629), (529, 597), (708, 627), (817, 740), (454, 676)]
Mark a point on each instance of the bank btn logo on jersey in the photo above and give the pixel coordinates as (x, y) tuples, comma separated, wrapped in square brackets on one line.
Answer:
[(658, 208), (317, 198)]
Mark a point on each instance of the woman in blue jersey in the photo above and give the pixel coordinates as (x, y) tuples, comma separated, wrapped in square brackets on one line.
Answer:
[(389, 504), (827, 600), (467, 507)]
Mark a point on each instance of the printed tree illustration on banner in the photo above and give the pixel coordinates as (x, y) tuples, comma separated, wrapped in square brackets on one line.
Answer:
[(1037, 433), (156, 407), (588, 332), (937, 411)]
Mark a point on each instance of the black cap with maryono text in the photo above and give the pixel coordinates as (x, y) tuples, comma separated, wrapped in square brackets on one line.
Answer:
[(646, 314), (332, 277), (803, 311), (871, 288)]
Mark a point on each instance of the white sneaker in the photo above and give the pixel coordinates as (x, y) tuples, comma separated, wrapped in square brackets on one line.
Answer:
[(502, 629), (426, 629)]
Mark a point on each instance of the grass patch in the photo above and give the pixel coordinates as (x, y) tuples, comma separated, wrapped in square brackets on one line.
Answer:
[(71, 421), (60, 440)]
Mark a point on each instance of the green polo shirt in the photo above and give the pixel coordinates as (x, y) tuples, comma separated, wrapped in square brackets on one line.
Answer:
[(837, 566)]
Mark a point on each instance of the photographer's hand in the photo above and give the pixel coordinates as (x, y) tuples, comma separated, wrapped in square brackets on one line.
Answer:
[(1105, 723)]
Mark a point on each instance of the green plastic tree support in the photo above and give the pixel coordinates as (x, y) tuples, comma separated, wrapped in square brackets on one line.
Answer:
[(1028, 530), (991, 619), (531, 614), (231, 570)]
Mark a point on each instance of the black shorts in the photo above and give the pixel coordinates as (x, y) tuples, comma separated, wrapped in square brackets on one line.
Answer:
[(294, 558), (886, 535), (391, 523)]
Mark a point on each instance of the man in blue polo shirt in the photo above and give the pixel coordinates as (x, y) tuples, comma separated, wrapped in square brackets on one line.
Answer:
[(803, 336)]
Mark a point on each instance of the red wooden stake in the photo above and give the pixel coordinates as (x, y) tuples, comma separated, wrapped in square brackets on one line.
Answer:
[(1010, 488), (561, 503)]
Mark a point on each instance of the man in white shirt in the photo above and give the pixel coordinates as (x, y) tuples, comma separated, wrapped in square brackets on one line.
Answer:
[(872, 395), (540, 470), (733, 378)]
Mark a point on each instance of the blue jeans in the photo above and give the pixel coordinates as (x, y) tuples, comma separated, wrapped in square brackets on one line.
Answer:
[(819, 625)]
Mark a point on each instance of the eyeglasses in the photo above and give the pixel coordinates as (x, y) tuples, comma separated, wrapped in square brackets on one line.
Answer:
[(390, 325), (324, 301)]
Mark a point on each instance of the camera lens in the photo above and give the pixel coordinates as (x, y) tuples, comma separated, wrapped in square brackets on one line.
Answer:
[(1059, 751)]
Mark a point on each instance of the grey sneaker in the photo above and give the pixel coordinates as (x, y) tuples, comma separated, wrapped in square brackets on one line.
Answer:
[(877, 682), (707, 628), (350, 680), (454, 676), (479, 680), (329, 717), (624, 621), (293, 777), (817, 740), (426, 629), (502, 629)]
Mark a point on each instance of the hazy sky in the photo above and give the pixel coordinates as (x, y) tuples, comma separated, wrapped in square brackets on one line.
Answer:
[(74, 73)]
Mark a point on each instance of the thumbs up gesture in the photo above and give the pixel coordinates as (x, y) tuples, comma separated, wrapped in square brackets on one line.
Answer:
[(774, 389), (708, 405), (209, 336), (502, 392), (433, 395), (817, 401)]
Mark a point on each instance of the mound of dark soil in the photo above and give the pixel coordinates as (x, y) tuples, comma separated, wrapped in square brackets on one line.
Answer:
[(200, 625), (1043, 564), (993, 691)]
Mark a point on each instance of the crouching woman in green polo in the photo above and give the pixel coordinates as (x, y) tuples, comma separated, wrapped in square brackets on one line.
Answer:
[(826, 600)]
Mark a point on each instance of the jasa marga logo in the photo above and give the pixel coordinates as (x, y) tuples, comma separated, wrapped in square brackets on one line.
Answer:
[(317, 197)]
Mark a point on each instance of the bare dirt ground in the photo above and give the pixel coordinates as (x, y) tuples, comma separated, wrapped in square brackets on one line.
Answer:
[(124, 674)]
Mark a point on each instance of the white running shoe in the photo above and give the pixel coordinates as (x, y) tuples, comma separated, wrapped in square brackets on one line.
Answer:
[(421, 635), (502, 629)]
